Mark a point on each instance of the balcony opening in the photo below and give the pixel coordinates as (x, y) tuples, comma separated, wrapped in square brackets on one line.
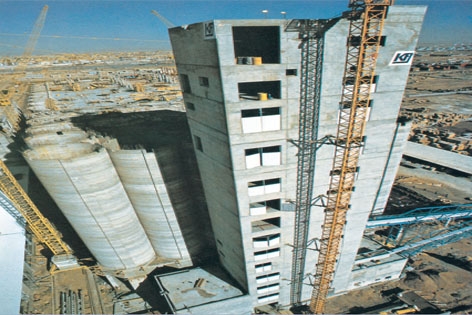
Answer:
[(263, 207), (268, 288), (268, 278), (262, 187), (267, 254), (267, 156), (257, 41), (268, 298), (259, 90), (266, 241), (260, 119), (265, 225), (260, 268)]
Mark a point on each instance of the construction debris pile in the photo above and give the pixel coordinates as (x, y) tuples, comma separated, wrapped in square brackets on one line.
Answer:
[(447, 131)]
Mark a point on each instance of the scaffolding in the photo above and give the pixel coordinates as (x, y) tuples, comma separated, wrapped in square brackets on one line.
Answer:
[(311, 33)]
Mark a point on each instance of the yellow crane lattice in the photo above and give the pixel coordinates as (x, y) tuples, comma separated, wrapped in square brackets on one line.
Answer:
[(39, 225)]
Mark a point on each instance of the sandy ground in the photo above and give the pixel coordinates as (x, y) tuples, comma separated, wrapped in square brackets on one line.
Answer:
[(442, 276)]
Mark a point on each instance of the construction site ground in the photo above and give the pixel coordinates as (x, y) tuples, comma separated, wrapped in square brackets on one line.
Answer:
[(442, 276)]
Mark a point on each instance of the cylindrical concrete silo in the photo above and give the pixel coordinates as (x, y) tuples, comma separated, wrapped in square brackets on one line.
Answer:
[(170, 163), (69, 136), (83, 182), (56, 127), (142, 180)]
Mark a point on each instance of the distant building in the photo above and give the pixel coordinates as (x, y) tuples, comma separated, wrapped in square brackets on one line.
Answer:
[(12, 257), (241, 86)]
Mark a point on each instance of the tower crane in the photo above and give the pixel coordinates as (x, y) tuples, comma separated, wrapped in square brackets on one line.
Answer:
[(365, 29), (33, 39), (5, 99), (168, 23)]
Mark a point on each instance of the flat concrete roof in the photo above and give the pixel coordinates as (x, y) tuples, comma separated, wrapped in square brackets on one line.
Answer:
[(184, 293), (445, 158)]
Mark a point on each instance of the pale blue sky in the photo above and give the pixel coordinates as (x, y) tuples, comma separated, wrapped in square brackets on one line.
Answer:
[(113, 25)]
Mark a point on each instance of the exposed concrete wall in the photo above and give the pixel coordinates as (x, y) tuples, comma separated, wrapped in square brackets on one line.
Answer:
[(12, 255), (218, 125), (383, 271), (398, 145), (207, 123), (233, 74), (401, 29), (143, 182)]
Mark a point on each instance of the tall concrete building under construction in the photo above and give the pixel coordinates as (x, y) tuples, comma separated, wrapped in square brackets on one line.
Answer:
[(247, 85)]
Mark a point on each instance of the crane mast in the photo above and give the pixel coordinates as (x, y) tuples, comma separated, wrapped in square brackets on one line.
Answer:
[(168, 23), (365, 30), (33, 39)]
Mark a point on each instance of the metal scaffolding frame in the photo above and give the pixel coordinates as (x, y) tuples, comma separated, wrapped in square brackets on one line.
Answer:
[(312, 36)]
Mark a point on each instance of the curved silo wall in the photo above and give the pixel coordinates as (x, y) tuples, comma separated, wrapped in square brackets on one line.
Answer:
[(69, 136), (142, 180), (52, 127), (191, 215), (83, 182)]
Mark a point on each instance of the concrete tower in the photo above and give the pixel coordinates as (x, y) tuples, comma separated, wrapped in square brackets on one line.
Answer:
[(241, 84)]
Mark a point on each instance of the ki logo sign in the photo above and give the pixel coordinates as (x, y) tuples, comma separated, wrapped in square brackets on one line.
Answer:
[(209, 29), (402, 58)]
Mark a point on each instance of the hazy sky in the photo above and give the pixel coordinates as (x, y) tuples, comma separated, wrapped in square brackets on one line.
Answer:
[(114, 25)]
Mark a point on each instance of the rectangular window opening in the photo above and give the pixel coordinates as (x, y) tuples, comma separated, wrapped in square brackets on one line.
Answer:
[(383, 40), (185, 83), (256, 41), (356, 40), (291, 72), (198, 143), (190, 106), (203, 81)]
